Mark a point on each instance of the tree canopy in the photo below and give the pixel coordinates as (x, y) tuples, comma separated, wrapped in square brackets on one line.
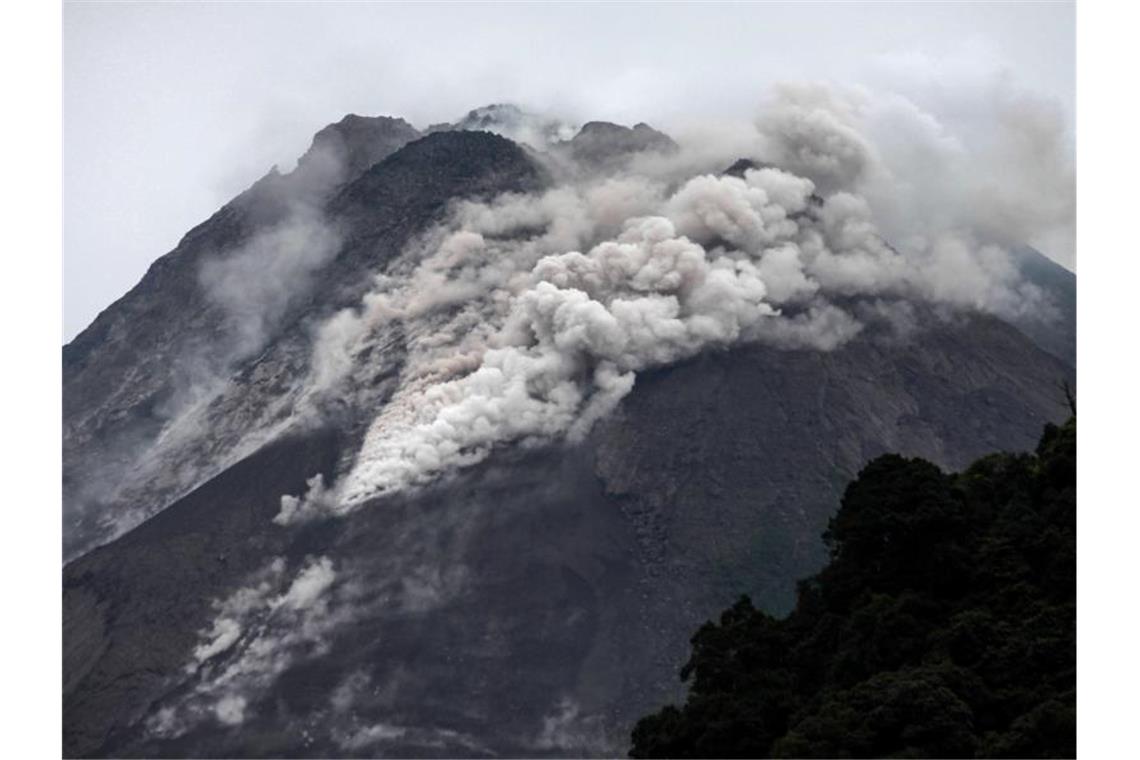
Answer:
[(943, 626)]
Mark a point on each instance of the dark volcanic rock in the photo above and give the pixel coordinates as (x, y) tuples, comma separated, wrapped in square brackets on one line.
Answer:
[(580, 572), (510, 121), (603, 144), (744, 500), (133, 607), (343, 151), (742, 165), (534, 605), (427, 174)]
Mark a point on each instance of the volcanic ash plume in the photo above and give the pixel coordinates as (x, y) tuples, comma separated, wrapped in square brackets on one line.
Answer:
[(527, 318)]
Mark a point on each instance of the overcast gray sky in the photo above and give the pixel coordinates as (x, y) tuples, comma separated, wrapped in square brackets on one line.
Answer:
[(171, 109)]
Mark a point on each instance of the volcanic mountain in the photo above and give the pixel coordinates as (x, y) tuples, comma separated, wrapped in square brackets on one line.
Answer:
[(285, 535)]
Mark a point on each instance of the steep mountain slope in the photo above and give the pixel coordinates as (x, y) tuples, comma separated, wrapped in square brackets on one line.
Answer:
[(534, 603), (165, 364), (1055, 331), (540, 603)]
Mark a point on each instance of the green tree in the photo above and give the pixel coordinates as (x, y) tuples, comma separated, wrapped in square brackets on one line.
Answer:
[(944, 625)]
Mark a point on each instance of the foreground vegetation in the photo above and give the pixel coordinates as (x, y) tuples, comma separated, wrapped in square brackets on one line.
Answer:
[(944, 626)]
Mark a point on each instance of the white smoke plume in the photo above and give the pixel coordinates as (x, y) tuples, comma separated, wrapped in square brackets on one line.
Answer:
[(524, 319), (259, 632), (527, 318), (993, 165)]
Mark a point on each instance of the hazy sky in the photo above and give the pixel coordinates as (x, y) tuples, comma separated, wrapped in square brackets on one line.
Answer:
[(171, 109)]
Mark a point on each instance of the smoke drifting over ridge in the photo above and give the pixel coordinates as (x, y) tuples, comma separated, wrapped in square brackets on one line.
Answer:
[(252, 278), (257, 284), (998, 169), (527, 318)]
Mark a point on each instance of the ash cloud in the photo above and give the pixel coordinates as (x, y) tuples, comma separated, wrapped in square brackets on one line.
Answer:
[(527, 318), (992, 167)]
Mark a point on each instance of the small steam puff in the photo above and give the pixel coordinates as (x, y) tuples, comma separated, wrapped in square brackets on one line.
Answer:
[(259, 632), (256, 284), (527, 318)]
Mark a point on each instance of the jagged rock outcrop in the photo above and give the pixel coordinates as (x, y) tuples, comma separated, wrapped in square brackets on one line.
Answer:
[(343, 151), (603, 144)]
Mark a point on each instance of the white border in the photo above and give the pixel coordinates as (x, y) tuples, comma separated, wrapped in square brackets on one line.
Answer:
[(1109, 499), (1108, 494), (31, 197)]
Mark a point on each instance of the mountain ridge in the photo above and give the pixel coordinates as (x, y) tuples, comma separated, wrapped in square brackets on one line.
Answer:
[(547, 587)]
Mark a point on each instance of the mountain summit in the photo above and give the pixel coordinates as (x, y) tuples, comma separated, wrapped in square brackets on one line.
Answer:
[(433, 446), (511, 121)]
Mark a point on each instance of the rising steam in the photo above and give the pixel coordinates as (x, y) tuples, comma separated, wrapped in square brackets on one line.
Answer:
[(527, 318)]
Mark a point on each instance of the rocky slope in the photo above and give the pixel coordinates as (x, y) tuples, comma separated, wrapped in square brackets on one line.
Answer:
[(555, 588), (163, 365), (533, 604)]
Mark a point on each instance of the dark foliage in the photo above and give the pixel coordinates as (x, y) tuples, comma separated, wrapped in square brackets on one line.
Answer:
[(944, 626)]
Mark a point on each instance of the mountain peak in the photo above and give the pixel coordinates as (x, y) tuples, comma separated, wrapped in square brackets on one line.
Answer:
[(495, 113), (374, 325), (345, 149), (603, 142), (742, 165), (513, 122)]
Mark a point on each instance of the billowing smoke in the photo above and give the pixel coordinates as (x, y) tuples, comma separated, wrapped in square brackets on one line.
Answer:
[(572, 333), (527, 318), (993, 167), (811, 131)]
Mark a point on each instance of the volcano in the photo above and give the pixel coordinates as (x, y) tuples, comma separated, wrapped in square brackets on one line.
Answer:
[(528, 592)]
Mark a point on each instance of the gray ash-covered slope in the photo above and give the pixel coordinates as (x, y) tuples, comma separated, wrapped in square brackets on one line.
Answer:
[(549, 589), (159, 393), (535, 604), (1055, 331), (144, 359)]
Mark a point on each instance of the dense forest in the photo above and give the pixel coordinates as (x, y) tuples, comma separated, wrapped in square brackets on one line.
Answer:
[(944, 626)]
